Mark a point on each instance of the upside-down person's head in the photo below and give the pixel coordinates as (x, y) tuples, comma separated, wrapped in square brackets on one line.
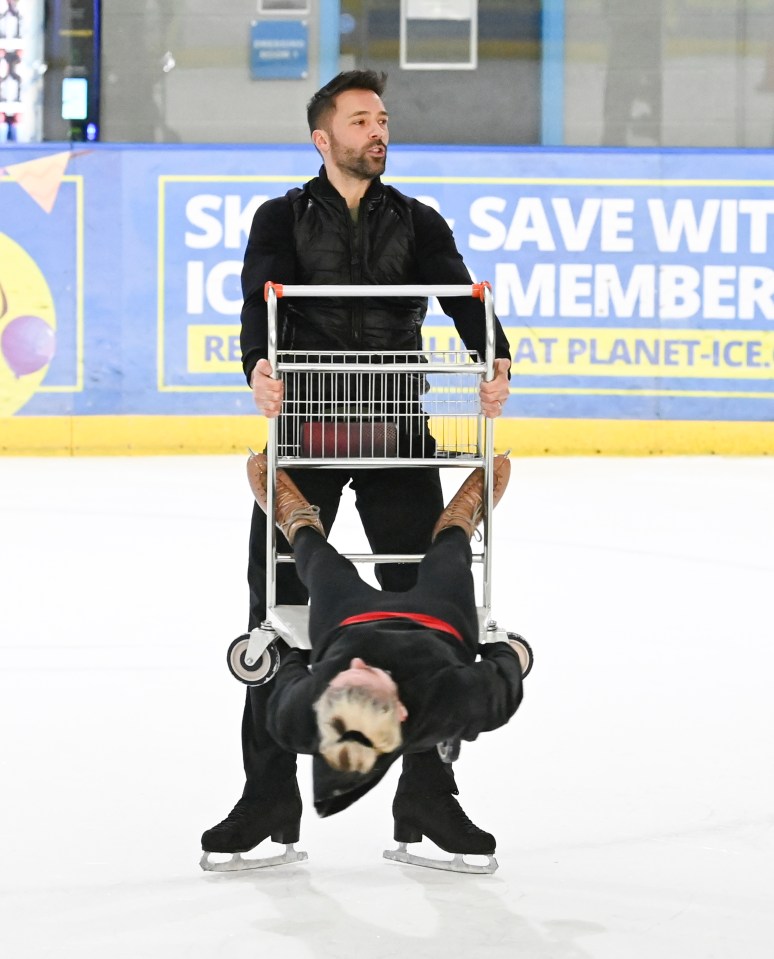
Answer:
[(359, 718), (348, 124)]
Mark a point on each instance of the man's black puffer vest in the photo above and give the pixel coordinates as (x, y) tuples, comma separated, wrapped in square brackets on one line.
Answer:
[(331, 248)]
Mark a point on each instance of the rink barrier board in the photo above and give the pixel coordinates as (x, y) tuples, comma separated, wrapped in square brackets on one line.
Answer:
[(191, 435), (635, 287)]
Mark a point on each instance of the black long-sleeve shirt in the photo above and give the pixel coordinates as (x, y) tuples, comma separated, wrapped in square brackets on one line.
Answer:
[(447, 696)]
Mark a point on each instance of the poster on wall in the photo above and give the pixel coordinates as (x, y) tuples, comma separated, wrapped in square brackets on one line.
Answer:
[(642, 293), (21, 70), (632, 285)]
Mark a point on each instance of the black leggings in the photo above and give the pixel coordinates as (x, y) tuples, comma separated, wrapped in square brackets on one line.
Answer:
[(398, 509), (444, 587)]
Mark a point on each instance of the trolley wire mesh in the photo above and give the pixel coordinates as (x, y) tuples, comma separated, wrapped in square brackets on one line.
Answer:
[(376, 406)]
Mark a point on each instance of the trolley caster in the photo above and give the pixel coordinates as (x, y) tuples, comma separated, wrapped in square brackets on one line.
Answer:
[(256, 674), (527, 649)]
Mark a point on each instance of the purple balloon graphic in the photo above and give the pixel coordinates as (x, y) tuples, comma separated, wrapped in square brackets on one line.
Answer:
[(28, 344)]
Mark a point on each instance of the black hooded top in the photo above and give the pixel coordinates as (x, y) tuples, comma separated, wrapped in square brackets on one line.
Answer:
[(447, 693)]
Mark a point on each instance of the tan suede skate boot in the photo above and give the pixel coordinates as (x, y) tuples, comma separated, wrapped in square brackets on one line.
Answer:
[(466, 508), (291, 510)]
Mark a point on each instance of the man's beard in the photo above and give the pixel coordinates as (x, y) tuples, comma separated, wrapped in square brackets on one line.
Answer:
[(359, 165)]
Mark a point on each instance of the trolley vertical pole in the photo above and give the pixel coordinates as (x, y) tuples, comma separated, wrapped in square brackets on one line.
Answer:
[(271, 457), (488, 451)]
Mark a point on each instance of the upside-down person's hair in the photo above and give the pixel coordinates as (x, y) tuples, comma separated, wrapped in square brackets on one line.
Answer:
[(355, 728), (324, 101)]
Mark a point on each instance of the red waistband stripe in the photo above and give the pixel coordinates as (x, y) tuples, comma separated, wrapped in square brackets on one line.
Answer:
[(421, 619)]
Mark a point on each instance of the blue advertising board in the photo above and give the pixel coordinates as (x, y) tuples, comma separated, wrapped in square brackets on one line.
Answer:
[(635, 286)]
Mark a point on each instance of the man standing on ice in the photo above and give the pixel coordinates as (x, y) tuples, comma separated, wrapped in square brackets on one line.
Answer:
[(347, 227)]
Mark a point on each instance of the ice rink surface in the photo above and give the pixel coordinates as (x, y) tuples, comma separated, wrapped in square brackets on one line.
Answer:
[(632, 795)]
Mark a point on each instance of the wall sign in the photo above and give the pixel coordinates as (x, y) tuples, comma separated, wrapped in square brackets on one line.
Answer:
[(279, 50)]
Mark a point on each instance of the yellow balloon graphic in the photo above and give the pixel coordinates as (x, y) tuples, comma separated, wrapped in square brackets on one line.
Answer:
[(27, 326)]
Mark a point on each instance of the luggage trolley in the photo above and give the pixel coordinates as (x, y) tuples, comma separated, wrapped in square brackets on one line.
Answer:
[(368, 409)]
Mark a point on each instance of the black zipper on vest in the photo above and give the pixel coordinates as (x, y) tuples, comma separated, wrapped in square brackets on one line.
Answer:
[(357, 249)]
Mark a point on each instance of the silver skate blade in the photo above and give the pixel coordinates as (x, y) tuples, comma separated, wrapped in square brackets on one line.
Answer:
[(237, 864), (456, 864)]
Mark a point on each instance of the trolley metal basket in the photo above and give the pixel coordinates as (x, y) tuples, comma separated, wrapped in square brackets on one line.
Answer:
[(371, 410)]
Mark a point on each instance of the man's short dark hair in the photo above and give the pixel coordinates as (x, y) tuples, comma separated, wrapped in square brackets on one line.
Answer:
[(324, 101)]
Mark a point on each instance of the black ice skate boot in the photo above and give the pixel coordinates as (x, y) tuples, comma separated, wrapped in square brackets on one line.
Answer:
[(248, 824), (441, 818), (291, 510), (466, 508)]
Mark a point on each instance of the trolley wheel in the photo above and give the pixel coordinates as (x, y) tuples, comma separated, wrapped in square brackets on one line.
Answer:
[(260, 672), (449, 750), (527, 648)]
